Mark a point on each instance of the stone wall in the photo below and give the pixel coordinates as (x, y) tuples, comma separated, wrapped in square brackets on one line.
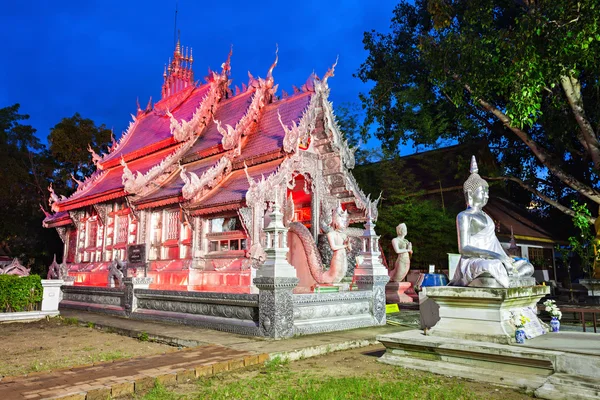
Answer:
[(325, 312), (229, 312), (237, 313), (96, 299)]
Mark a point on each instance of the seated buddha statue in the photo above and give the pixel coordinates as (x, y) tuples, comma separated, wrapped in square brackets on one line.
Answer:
[(483, 261)]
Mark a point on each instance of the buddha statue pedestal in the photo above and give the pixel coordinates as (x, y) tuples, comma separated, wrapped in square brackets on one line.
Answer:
[(395, 292), (484, 314), (593, 287)]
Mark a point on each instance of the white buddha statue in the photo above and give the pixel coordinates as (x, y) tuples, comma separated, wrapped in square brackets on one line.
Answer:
[(483, 261), (403, 248)]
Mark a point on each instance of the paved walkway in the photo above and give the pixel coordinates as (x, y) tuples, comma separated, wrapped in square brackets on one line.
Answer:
[(209, 352), (189, 336), (119, 378)]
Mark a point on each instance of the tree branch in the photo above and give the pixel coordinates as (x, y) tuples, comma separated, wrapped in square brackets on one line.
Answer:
[(572, 89), (542, 196), (541, 153)]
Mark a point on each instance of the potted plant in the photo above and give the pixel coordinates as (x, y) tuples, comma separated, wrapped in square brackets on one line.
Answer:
[(555, 313), (519, 321)]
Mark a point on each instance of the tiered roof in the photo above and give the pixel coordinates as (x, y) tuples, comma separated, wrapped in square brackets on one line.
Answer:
[(194, 144)]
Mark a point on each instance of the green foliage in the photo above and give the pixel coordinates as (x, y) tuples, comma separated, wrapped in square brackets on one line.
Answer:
[(303, 386), (442, 56), (27, 167), (431, 231), (275, 363), (582, 244), (143, 337), (69, 140), (70, 321), (159, 392), (20, 293)]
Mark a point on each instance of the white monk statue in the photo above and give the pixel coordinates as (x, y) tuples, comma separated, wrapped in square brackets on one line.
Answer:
[(339, 243), (483, 261), (403, 248)]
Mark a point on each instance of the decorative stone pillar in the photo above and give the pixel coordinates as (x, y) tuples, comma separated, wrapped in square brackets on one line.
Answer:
[(276, 279), (52, 295), (371, 274), (131, 284)]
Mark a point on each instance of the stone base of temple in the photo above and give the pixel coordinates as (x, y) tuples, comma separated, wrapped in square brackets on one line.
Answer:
[(484, 314), (593, 287), (398, 292), (555, 366), (332, 287)]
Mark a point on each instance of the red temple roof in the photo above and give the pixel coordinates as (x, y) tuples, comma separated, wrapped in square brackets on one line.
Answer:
[(229, 112), (158, 146), (109, 183), (269, 135), (152, 131), (232, 190)]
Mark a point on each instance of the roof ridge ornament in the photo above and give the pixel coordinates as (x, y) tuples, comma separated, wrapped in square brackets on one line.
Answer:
[(186, 130), (196, 187), (96, 159), (301, 131)]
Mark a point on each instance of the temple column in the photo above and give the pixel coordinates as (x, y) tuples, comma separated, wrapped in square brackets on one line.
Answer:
[(276, 279), (371, 274), (315, 208)]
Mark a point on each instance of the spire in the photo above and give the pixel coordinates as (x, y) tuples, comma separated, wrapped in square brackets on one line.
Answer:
[(179, 74)]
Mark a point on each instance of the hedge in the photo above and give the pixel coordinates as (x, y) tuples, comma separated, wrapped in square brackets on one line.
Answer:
[(20, 293)]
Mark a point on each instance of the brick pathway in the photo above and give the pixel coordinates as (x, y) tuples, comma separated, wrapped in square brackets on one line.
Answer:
[(122, 377)]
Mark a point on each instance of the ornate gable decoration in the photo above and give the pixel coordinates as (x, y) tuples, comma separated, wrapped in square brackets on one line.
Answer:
[(300, 132), (196, 187), (337, 138), (186, 130), (269, 188), (264, 91)]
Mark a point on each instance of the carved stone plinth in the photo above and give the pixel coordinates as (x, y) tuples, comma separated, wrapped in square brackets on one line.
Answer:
[(395, 292), (484, 314), (593, 287), (276, 306), (375, 283), (52, 294), (69, 280), (131, 284)]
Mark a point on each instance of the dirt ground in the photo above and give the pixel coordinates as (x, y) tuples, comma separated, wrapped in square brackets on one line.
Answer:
[(359, 362), (55, 343)]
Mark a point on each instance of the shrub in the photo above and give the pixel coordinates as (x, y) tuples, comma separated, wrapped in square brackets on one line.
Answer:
[(20, 293)]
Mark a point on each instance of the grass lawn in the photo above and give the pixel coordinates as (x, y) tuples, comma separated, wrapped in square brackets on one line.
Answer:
[(353, 374), (61, 343)]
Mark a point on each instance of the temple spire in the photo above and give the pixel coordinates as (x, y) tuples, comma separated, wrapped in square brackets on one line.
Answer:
[(179, 74)]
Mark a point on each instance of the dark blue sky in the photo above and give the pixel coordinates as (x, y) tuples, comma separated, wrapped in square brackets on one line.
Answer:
[(97, 57)]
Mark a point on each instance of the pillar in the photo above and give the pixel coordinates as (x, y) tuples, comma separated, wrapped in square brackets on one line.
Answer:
[(371, 274), (275, 280)]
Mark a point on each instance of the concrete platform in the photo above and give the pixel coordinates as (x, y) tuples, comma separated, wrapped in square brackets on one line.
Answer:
[(190, 336), (554, 366)]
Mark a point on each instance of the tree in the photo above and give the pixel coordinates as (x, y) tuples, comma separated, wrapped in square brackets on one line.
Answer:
[(522, 74), (23, 190), (69, 141), (431, 228)]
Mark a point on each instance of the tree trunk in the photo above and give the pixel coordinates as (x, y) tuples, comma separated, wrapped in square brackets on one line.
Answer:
[(541, 153), (572, 89)]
